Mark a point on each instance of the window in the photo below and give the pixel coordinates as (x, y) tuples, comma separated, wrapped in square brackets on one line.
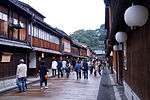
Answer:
[(35, 31), (32, 30), (5, 18), (3, 25), (54, 39), (43, 35), (40, 33), (67, 46), (1, 15), (47, 36), (50, 36)]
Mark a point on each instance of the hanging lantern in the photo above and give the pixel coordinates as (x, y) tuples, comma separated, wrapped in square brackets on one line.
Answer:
[(136, 15), (121, 37)]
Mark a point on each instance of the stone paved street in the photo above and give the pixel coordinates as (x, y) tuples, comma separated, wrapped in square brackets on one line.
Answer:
[(95, 88), (60, 89)]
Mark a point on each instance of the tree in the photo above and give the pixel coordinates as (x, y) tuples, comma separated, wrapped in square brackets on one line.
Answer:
[(93, 38)]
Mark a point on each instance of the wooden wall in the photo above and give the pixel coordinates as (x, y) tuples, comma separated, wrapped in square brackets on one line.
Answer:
[(74, 50), (83, 52), (8, 69), (45, 44), (138, 61)]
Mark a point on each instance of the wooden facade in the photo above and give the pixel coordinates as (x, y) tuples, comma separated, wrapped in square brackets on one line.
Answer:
[(83, 52), (136, 71), (13, 39), (75, 50), (45, 44), (13, 25), (138, 65), (24, 34)]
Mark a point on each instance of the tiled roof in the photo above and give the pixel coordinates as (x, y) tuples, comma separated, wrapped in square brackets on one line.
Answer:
[(27, 8)]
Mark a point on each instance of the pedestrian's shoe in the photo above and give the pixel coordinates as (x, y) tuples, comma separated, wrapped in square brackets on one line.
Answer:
[(41, 88), (46, 87)]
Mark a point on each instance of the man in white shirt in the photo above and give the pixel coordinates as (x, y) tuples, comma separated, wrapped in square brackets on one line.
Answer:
[(21, 75), (64, 65), (54, 67)]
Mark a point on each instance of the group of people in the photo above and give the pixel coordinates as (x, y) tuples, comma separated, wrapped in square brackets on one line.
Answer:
[(62, 67), (92, 65)]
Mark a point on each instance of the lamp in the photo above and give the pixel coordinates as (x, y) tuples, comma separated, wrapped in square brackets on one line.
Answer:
[(121, 37), (136, 15)]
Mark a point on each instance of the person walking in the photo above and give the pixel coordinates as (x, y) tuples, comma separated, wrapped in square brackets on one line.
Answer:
[(95, 67), (21, 75), (91, 66), (59, 67), (85, 69), (68, 65), (43, 75), (54, 67), (78, 69), (64, 65), (99, 67)]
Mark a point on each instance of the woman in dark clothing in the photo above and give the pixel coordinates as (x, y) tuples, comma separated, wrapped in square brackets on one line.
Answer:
[(43, 75), (85, 69), (78, 69), (67, 69)]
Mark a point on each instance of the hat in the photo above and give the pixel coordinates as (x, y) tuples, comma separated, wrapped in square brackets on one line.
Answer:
[(21, 60)]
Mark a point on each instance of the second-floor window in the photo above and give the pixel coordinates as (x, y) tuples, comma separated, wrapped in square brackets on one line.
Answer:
[(54, 39), (3, 24)]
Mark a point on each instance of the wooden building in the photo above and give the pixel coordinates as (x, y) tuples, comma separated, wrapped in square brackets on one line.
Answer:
[(133, 65), (45, 41), (24, 34), (14, 43)]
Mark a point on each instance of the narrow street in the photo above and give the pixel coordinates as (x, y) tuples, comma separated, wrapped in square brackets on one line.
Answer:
[(60, 89), (95, 88)]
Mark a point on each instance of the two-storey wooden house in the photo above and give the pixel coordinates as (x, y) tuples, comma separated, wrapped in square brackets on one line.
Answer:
[(14, 43)]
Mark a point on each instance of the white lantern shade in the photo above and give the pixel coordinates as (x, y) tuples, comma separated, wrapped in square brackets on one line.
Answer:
[(136, 15), (121, 37)]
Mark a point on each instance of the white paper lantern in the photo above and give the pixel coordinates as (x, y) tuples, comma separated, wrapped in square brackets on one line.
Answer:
[(136, 15), (121, 37)]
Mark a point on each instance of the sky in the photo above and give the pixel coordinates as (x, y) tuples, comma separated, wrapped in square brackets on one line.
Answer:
[(71, 15)]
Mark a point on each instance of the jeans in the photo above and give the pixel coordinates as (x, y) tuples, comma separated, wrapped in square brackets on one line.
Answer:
[(21, 83), (42, 79), (78, 74), (60, 72), (53, 72), (85, 74)]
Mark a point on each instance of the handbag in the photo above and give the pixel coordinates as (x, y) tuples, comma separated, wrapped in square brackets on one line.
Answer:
[(46, 77)]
